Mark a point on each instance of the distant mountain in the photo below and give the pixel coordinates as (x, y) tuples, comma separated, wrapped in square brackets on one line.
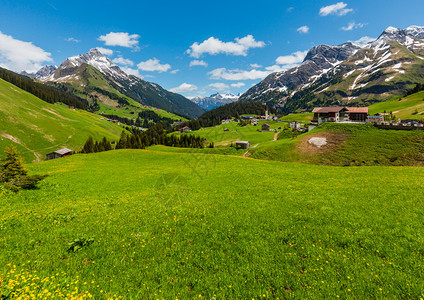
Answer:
[(96, 75), (348, 74), (41, 74), (215, 100)]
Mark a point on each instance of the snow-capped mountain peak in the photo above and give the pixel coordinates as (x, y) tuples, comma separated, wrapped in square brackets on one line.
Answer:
[(215, 100), (96, 59)]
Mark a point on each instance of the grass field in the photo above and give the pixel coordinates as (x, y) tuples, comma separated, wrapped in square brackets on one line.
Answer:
[(349, 144), (37, 127), (145, 224)]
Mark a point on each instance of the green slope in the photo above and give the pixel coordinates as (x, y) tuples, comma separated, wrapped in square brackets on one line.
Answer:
[(349, 144), (37, 127), (409, 107), (209, 226)]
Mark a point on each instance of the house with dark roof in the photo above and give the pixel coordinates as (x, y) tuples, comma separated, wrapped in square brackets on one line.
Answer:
[(64, 152)]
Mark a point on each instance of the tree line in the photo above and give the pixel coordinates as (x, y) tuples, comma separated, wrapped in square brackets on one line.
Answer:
[(138, 139)]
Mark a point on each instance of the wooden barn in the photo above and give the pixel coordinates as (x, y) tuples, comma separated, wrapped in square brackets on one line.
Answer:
[(64, 152)]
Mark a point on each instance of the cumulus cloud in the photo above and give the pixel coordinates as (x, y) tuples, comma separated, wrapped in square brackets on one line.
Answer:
[(219, 86), (71, 39), (174, 71), (123, 61), (338, 9), (184, 88), (153, 65), (123, 39), (238, 84), (131, 71), (364, 40), (223, 73), (17, 55), (303, 29), (198, 63), (105, 51), (214, 46), (352, 26), (294, 58), (255, 66)]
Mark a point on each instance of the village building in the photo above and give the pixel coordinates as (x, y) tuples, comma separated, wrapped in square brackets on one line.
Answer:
[(64, 152), (339, 114), (357, 114), (294, 125), (265, 127), (242, 145), (375, 119), (185, 129)]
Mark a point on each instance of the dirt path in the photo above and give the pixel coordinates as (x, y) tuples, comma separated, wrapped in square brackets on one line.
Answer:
[(247, 154), (276, 136)]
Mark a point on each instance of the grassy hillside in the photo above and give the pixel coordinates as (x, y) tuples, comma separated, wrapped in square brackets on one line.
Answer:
[(37, 127), (203, 226), (349, 144), (409, 107)]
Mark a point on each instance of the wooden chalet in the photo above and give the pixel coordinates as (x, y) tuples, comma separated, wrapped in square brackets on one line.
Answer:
[(64, 152)]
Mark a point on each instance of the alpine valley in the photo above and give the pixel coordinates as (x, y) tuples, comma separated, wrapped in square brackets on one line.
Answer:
[(348, 74), (215, 100)]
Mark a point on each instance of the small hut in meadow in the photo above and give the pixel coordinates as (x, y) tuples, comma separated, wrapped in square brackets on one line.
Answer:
[(242, 145), (64, 152), (265, 127)]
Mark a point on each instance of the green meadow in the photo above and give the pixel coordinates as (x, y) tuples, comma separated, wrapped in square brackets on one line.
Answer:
[(143, 224), (253, 134), (36, 127)]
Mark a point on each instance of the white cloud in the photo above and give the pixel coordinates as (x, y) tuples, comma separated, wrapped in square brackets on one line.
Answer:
[(198, 63), (184, 88), (338, 9), (153, 65), (295, 58), (353, 25), (130, 71), (364, 40), (255, 66), (290, 9), (18, 55), (223, 73), (303, 29), (219, 86), (105, 51), (123, 61), (174, 71), (215, 46), (71, 39), (238, 84), (123, 39)]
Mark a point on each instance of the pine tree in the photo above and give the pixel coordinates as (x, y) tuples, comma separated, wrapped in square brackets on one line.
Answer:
[(13, 173), (88, 146), (12, 166)]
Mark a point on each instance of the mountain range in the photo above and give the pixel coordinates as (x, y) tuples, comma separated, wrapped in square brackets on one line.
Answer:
[(348, 74), (97, 78), (215, 100)]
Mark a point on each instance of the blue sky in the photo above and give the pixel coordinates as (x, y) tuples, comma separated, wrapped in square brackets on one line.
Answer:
[(192, 47)]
